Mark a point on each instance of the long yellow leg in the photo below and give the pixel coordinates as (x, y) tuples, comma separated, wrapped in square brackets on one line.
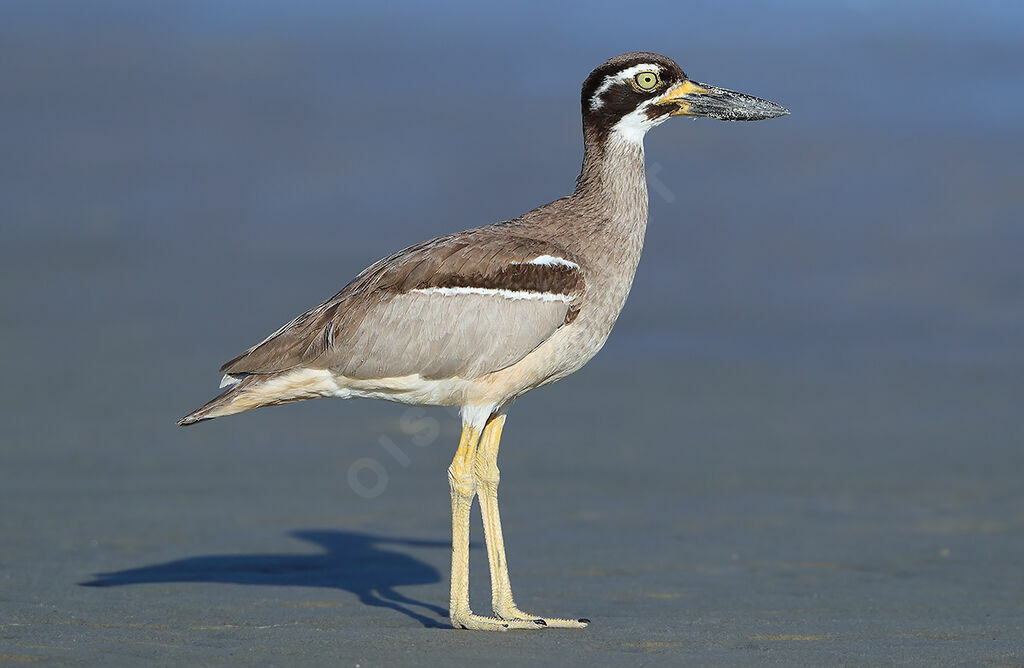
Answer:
[(485, 470), (463, 488)]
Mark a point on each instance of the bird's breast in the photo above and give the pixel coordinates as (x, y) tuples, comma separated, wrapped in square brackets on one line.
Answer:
[(609, 264)]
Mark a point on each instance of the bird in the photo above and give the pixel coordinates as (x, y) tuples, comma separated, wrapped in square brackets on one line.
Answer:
[(477, 318)]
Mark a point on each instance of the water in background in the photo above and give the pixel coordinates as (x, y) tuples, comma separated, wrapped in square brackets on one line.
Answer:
[(802, 441), (181, 178)]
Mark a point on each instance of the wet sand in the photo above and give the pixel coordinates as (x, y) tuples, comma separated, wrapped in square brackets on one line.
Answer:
[(802, 444)]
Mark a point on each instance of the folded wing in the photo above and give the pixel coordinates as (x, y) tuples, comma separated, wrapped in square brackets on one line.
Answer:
[(462, 305)]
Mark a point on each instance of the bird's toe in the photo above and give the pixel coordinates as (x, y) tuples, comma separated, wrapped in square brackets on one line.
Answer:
[(482, 623)]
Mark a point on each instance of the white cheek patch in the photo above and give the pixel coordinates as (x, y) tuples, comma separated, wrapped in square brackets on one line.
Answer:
[(632, 127), (619, 77)]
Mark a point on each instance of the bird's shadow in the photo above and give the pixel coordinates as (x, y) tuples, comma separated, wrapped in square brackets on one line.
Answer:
[(357, 562)]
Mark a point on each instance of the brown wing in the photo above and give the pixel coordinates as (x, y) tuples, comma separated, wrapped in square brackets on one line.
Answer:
[(460, 305)]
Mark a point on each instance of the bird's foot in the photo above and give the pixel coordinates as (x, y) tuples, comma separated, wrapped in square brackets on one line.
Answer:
[(468, 620), (513, 614)]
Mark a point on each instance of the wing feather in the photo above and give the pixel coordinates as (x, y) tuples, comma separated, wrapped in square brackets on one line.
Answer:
[(413, 313)]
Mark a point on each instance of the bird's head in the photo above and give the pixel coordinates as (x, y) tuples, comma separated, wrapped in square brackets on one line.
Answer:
[(630, 94)]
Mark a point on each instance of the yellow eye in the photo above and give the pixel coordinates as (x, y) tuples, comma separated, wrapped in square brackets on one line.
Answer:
[(646, 81)]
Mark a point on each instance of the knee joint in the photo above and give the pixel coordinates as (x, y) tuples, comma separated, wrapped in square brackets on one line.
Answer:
[(487, 476), (461, 482)]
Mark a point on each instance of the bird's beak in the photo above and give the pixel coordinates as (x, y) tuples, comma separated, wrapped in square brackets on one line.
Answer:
[(697, 99)]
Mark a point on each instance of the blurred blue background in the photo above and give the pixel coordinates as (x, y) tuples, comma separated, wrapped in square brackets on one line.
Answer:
[(212, 163), (829, 304)]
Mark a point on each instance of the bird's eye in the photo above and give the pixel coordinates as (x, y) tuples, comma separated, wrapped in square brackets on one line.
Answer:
[(646, 81)]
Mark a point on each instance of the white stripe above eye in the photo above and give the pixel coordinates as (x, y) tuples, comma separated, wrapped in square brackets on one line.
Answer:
[(551, 260), (624, 75), (495, 292)]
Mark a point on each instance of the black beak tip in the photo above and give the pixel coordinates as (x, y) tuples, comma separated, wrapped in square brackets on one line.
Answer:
[(759, 111)]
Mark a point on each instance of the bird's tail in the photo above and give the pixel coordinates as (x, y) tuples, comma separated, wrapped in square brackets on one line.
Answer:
[(248, 391), (235, 399)]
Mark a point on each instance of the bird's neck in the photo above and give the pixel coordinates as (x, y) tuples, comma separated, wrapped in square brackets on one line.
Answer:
[(613, 181)]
